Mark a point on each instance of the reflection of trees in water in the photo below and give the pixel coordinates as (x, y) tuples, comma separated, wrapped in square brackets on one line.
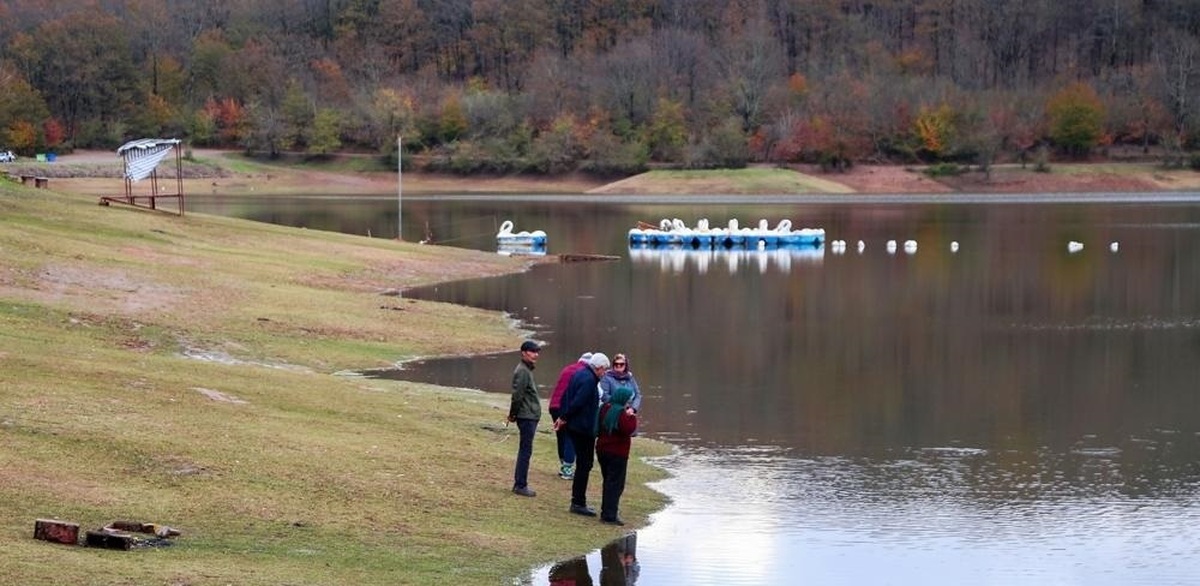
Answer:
[(1009, 345), (869, 352)]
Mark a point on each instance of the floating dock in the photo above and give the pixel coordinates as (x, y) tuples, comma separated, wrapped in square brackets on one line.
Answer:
[(674, 233)]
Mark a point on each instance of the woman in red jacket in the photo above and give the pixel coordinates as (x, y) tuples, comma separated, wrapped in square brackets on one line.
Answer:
[(618, 422)]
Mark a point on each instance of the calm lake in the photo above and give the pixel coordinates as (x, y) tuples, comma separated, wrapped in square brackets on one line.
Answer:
[(1011, 413)]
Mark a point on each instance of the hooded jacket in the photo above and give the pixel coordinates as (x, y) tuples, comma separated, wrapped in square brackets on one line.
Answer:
[(581, 401)]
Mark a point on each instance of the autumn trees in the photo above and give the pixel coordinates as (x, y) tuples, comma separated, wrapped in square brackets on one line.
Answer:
[(606, 85)]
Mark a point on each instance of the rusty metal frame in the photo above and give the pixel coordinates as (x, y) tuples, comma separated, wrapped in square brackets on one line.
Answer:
[(150, 201)]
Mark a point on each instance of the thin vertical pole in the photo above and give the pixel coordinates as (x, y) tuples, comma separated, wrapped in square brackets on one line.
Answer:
[(400, 189)]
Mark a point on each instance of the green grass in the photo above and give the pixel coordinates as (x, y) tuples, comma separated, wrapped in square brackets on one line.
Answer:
[(183, 370), (750, 180), (340, 163)]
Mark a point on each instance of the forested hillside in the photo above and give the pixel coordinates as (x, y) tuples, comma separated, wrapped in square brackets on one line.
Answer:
[(607, 85)]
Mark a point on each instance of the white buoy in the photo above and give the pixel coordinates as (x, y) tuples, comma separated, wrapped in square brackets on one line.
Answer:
[(954, 246), (1114, 247), (861, 246), (910, 246), (1074, 246), (891, 246)]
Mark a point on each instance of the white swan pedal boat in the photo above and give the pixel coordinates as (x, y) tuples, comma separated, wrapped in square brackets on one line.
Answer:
[(506, 238)]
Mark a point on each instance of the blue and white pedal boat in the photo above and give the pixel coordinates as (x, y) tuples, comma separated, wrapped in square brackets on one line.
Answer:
[(506, 238), (674, 233)]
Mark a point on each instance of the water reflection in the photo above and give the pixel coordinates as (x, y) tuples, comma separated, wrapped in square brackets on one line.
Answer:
[(995, 413), (509, 249), (571, 572), (677, 259), (1099, 514), (618, 565)]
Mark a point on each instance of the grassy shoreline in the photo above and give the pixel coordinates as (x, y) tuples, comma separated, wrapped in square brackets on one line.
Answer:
[(188, 371)]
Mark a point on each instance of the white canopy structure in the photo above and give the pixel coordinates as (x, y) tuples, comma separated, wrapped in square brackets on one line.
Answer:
[(143, 155), (142, 158)]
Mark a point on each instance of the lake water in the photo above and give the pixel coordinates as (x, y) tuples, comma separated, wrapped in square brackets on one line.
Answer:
[(1010, 413)]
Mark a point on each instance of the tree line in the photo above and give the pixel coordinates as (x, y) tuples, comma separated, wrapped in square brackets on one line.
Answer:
[(607, 86)]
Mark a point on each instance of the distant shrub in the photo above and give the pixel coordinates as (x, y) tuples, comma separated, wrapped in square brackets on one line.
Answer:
[(1041, 160), (834, 162), (725, 147), (612, 158), (945, 170), (1076, 118)]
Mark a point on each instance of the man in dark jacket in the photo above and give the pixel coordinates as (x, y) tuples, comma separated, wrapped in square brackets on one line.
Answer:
[(577, 413), (566, 453), (525, 410)]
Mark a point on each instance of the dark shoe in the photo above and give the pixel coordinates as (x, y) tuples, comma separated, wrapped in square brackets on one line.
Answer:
[(582, 510), (613, 521), (524, 491)]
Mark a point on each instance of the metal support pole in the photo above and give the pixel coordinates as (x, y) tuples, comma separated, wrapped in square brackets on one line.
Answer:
[(400, 189)]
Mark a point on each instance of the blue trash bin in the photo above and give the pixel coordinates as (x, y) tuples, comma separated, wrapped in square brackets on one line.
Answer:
[(50, 157)]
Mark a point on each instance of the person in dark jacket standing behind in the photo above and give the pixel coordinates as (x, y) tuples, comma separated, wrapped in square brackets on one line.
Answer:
[(618, 421), (566, 452), (578, 411), (525, 410)]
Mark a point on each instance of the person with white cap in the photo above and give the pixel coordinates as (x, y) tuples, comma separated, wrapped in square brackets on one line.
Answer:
[(525, 409), (578, 411), (566, 452)]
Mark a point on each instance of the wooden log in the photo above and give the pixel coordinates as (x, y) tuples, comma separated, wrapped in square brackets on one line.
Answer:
[(139, 527), (586, 257), (56, 531), (109, 540), (42, 182)]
